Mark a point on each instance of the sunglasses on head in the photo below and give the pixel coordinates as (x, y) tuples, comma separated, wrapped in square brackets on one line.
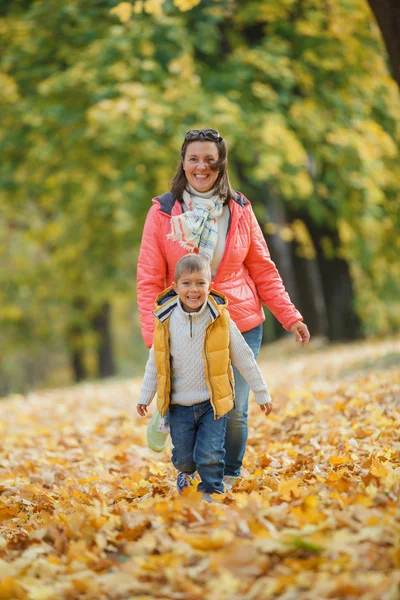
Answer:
[(207, 134)]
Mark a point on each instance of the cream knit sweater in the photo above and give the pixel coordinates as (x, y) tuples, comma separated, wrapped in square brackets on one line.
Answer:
[(187, 366)]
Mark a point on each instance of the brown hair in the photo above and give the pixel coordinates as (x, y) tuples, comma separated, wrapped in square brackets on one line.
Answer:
[(191, 263), (222, 185)]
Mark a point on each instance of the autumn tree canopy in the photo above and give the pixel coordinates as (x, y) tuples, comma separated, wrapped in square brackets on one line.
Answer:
[(95, 100)]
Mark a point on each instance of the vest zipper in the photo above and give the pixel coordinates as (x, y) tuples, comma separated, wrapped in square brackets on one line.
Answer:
[(190, 320), (166, 365), (208, 371)]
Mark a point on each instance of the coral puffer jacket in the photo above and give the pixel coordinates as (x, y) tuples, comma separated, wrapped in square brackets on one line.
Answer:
[(246, 275)]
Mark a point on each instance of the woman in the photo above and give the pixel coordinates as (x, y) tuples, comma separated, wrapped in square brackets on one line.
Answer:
[(201, 213)]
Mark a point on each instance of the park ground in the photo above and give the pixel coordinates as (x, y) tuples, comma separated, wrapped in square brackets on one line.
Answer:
[(88, 512)]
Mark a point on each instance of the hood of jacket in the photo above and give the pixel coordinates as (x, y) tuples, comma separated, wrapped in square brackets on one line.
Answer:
[(168, 299)]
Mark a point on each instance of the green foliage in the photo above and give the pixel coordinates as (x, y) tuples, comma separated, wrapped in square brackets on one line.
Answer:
[(95, 99)]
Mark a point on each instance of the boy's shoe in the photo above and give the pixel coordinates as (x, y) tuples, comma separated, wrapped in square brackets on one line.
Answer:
[(184, 480), (229, 481), (157, 433), (206, 497)]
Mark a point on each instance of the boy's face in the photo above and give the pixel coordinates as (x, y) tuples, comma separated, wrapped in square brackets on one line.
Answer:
[(192, 289)]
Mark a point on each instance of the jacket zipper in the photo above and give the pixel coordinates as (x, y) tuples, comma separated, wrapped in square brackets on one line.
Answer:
[(190, 320), (228, 240)]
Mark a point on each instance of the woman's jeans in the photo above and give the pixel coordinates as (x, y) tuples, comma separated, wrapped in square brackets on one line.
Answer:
[(236, 432), (198, 441)]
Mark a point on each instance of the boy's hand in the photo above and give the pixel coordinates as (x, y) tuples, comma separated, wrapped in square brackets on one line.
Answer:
[(142, 409), (301, 332), (266, 408)]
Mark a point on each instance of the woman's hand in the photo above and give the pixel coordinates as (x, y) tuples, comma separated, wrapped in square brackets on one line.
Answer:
[(142, 409), (301, 332), (266, 408)]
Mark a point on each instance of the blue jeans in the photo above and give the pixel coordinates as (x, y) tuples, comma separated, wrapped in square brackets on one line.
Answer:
[(198, 443), (236, 431)]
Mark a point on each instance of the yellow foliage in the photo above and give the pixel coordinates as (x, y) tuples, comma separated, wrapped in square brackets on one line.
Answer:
[(11, 313), (123, 10), (153, 7), (303, 238), (346, 231), (319, 497), (183, 66), (185, 5), (147, 48), (288, 487), (264, 92), (275, 11), (275, 134), (9, 89), (11, 589), (302, 184), (377, 468), (286, 234)]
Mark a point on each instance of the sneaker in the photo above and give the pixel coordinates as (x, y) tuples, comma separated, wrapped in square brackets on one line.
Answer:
[(229, 481), (157, 433), (183, 481), (206, 498)]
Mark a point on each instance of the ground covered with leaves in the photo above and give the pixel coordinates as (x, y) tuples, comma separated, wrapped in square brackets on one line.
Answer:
[(88, 512)]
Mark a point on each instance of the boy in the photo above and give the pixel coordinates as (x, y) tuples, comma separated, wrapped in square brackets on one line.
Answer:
[(189, 367)]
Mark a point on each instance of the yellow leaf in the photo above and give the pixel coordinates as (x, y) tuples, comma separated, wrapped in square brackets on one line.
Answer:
[(289, 486), (40, 592), (153, 7), (339, 460), (123, 10), (217, 539), (185, 5), (10, 589), (378, 469)]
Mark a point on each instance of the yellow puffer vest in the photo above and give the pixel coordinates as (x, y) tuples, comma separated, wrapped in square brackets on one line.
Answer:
[(217, 364)]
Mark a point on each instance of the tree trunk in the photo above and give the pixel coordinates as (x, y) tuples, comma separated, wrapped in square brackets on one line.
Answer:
[(105, 355), (387, 15), (76, 351), (343, 322), (281, 253), (312, 303), (75, 341), (78, 365), (280, 249)]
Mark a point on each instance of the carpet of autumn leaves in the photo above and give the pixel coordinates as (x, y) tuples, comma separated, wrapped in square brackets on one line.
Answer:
[(88, 512)]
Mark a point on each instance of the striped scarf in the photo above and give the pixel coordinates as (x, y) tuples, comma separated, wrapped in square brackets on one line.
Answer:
[(198, 227)]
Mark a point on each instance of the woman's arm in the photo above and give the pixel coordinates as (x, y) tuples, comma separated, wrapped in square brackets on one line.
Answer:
[(266, 277), (151, 272)]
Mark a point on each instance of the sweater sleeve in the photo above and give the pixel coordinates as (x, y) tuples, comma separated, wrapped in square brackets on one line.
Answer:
[(149, 385), (243, 358), (266, 277), (151, 272)]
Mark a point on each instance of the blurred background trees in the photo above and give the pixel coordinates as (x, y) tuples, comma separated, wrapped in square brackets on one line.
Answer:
[(95, 99)]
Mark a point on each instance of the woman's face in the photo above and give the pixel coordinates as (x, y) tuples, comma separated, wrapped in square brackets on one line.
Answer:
[(197, 165)]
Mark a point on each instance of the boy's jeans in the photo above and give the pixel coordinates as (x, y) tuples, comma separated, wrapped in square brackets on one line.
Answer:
[(236, 432), (198, 441)]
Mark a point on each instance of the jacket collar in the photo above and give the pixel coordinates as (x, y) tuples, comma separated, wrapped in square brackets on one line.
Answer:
[(172, 206), (167, 301)]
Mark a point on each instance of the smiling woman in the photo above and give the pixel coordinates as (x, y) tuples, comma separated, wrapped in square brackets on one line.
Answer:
[(198, 165), (202, 214)]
